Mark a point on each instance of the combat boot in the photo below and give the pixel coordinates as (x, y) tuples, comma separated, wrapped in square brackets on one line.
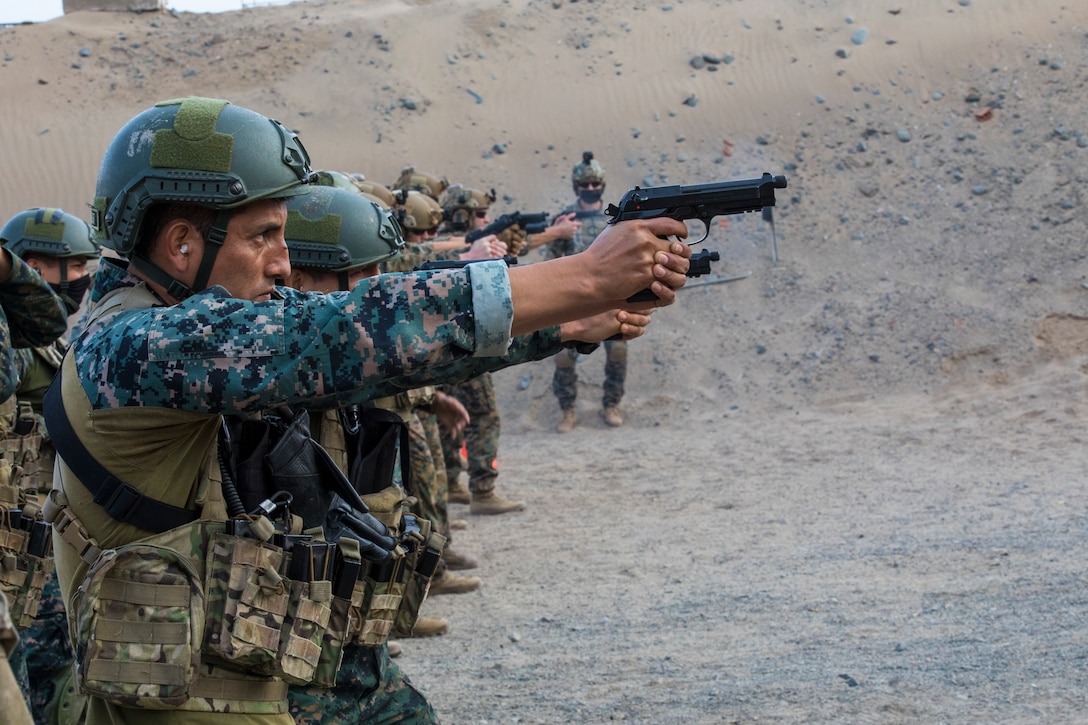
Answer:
[(612, 417), (457, 561), (489, 503), (458, 491), (395, 650), (458, 525), (431, 627), (569, 421), (446, 583)]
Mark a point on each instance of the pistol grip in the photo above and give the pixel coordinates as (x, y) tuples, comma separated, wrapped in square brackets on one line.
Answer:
[(645, 295)]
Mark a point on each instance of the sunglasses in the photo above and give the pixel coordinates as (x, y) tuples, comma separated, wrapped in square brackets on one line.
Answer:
[(589, 185), (481, 214)]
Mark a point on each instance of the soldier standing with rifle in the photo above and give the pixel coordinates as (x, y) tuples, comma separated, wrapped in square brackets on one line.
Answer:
[(587, 179), (466, 210)]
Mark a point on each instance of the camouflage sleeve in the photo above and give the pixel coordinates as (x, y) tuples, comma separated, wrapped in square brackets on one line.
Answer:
[(23, 361), (35, 315), (491, 307), (9, 376), (15, 363), (216, 354), (524, 348)]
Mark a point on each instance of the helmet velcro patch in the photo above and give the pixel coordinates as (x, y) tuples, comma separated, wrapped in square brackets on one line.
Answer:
[(193, 143)]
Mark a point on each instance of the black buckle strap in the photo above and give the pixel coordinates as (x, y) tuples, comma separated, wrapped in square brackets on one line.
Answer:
[(122, 501)]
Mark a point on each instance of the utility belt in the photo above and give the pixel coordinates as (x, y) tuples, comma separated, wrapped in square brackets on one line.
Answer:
[(267, 598), (282, 608)]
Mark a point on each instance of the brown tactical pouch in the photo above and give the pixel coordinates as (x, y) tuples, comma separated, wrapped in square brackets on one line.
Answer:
[(421, 566), (22, 576), (20, 450), (344, 616), (383, 590), (25, 558), (139, 618), (259, 621)]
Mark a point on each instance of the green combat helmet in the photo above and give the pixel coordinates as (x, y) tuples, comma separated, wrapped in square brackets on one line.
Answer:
[(413, 180), (339, 230), (200, 151), (53, 233), (589, 171), (335, 178), (374, 190), (417, 212), (460, 204)]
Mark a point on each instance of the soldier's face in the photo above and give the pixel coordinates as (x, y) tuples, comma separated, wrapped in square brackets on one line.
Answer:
[(480, 219), (49, 267), (317, 280), (254, 253)]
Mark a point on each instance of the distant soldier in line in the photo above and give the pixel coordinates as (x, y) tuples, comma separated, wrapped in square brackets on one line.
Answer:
[(465, 210), (587, 179), (336, 238), (59, 246), (31, 315), (420, 217)]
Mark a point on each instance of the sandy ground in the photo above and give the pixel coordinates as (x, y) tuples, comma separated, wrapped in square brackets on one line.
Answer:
[(850, 488)]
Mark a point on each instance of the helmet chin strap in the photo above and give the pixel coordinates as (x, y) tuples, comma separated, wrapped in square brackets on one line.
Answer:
[(212, 244)]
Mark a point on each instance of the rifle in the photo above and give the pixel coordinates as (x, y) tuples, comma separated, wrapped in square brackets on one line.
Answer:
[(532, 223), (698, 201)]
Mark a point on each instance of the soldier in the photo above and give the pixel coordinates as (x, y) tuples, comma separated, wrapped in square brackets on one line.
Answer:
[(420, 217), (337, 238), (60, 247), (31, 315), (190, 326), (412, 180), (587, 178), (466, 209)]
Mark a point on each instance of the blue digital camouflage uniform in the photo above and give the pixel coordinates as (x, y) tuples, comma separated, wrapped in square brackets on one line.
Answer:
[(187, 363), (565, 380), (49, 659), (370, 690)]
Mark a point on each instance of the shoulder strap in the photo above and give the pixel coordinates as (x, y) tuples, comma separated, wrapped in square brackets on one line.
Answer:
[(120, 500)]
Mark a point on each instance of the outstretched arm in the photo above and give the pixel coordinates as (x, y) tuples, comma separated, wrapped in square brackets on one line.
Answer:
[(625, 258)]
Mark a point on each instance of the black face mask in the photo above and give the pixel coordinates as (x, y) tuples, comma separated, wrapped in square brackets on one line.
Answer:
[(590, 196), (72, 292)]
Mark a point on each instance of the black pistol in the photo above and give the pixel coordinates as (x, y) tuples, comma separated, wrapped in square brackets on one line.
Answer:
[(696, 201)]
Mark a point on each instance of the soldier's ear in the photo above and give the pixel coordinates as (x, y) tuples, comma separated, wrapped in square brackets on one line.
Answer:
[(180, 245)]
